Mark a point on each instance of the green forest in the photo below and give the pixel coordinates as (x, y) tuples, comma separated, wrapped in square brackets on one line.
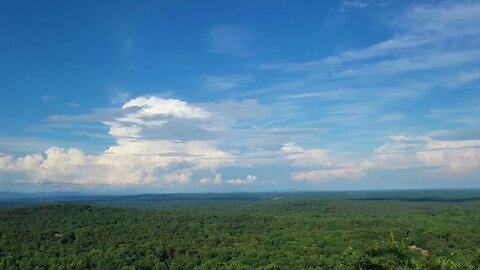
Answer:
[(277, 231)]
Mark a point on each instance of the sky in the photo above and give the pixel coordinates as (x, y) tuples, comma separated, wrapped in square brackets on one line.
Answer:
[(235, 96)]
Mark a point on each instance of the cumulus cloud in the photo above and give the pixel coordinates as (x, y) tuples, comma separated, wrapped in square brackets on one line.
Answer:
[(445, 158), (302, 157), (326, 175), (56, 165), (147, 151), (218, 179), (451, 157), (154, 106), (250, 179), (178, 177), (441, 158), (331, 166), (205, 181)]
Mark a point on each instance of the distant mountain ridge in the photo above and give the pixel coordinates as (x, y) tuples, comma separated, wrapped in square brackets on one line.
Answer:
[(6, 195), (447, 195)]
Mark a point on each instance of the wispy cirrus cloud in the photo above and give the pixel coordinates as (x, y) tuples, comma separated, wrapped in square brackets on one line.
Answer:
[(231, 39), (46, 98), (422, 39), (428, 54), (225, 82), (389, 117), (355, 4), (118, 96), (467, 113)]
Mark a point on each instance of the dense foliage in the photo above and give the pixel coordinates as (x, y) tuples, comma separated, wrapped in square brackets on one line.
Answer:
[(279, 233)]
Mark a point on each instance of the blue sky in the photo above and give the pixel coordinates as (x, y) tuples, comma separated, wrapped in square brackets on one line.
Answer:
[(221, 96)]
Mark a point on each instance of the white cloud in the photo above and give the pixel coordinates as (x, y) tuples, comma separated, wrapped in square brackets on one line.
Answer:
[(178, 178), (291, 148), (451, 157), (48, 98), (250, 179), (205, 181), (218, 179), (419, 28), (444, 158), (154, 106), (432, 47), (333, 167), (58, 165), (140, 156), (356, 4), (329, 95), (312, 157), (450, 18), (128, 163), (160, 143), (326, 175), (119, 96), (441, 158), (420, 62)]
